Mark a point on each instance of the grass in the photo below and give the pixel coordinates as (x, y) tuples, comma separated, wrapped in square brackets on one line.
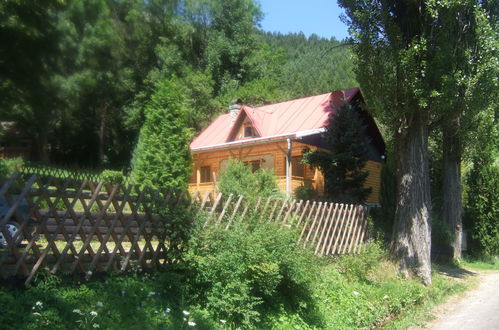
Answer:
[(481, 263), (448, 280), (158, 301)]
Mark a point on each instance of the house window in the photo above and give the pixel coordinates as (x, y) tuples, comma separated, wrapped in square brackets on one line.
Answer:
[(297, 168), (248, 131), (253, 164), (205, 174)]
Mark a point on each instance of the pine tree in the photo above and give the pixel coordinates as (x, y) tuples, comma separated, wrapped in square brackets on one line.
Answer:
[(162, 156), (347, 140)]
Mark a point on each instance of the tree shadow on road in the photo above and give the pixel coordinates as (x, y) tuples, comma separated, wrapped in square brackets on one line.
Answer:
[(453, 271)]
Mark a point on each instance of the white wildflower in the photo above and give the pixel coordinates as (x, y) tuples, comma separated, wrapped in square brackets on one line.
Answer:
[(37, 314), (95, 325), (185, 313), (356, 293), (39, 303), (191, 324), (93, 313), (385, 297), (99, 304), (185, 319), (223, 321), (151, 293), (77, 311), (168, 310)]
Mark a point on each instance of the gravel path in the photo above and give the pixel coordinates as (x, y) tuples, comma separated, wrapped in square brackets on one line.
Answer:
[(479, 309)]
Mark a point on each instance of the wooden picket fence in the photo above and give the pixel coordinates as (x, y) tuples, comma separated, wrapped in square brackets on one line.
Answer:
[(87, 227), (328, 228)]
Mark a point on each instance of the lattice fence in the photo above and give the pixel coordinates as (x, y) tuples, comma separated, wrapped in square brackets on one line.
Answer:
[(49, 172), (69, 227), (328, 228), (66, 226)]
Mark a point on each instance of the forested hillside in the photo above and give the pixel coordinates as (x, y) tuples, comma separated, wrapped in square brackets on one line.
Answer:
[(77, 75), (312, 65)]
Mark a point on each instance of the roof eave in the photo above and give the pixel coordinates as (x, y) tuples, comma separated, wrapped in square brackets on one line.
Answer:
[(260, 140)]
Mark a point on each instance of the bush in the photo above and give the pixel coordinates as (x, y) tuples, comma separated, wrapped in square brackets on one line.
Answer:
[(359, 266), (114, 177), (9, 166), (305, 193), (482, 208), (240, 275), (238, 179), (440, 233)]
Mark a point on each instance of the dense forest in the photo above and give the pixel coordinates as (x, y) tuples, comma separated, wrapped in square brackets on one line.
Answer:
[(76, 76)]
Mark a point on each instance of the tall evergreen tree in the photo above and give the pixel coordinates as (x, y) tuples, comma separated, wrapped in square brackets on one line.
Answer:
[(162, 157), (343, 166)]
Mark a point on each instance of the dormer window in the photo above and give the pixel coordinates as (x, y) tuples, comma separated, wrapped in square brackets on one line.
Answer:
[(248, 131)]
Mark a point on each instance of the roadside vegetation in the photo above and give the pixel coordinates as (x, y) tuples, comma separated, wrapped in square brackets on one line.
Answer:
[(250, 278)]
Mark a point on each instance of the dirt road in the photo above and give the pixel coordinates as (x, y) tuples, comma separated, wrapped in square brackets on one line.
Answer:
[(478, 309)]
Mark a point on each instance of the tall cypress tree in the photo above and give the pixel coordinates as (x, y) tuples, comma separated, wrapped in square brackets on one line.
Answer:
[(343, 166), (162, 157)]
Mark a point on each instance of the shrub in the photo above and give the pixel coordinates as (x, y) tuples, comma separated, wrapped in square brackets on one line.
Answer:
[(358, 266), (238, 179), (114, 177), (9, 166), (440, 233), (482, 207), (239, 274), (305, 193)]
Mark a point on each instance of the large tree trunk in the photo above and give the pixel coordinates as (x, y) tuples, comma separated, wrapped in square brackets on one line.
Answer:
[(42, 144), (451, 185), (411, 241), (102, 134)]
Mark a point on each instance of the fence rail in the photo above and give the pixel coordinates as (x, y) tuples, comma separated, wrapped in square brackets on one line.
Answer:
[(83, 227)]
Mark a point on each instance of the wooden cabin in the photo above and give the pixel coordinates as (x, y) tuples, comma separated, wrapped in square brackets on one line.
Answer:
[(274, 136)]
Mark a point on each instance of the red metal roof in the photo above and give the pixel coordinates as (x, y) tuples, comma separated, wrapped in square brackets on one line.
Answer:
[(277, 119)]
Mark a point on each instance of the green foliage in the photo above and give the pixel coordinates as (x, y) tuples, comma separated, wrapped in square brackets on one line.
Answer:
[(10, 165), (238, 179), (110, 176), (312, 65), (343, 166), (482, 207), (240, 275), (440, 233), (305, 193), (359, 267), (162, 157)]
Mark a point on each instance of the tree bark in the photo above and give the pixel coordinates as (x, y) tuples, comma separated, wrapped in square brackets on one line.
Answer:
[(451, 185), (102, 134), (411, 241), (42, 144)]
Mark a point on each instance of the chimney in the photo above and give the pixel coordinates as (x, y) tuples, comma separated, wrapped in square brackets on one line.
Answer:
[(234, 109), (336, 99)]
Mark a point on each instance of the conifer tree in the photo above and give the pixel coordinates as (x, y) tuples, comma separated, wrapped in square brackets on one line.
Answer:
[(162, 158), (347, 140)]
